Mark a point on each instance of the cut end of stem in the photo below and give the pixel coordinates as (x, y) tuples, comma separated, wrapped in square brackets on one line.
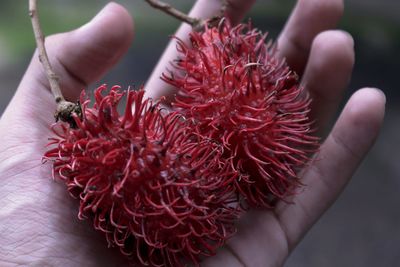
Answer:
[(66, 110)]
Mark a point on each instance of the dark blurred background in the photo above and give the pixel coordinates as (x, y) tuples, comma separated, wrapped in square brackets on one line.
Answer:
[(363, 226)]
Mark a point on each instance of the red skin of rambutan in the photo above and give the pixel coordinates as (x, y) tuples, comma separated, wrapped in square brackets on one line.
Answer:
[(236, 91), (159, 193)]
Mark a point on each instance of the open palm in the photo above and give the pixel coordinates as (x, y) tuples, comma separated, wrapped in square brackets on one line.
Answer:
[(38, 223)]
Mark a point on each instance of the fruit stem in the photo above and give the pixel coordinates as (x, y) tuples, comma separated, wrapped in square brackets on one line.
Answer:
[(167, 8), (64, 108), (196, 23)]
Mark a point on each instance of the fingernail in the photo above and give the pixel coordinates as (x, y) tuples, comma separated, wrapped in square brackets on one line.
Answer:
[(380, 92)]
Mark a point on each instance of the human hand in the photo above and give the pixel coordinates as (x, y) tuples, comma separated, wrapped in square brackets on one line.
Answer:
[(324, 60), (37, 220)]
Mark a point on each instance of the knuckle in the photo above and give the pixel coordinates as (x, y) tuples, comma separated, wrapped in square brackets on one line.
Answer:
[(336, 40)]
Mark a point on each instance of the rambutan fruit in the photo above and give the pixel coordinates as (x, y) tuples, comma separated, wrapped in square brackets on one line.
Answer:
[(160, 193), (236, 91)]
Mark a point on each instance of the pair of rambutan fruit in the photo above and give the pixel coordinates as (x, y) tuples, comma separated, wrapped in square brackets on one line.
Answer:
[(167, 187)]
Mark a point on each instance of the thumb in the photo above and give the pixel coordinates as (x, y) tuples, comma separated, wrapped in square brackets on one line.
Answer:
[(79, 58)]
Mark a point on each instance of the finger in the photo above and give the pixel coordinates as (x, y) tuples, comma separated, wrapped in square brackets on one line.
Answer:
[(308, 18), (78, 58), (235, 11), (328, 73), (352, 136), (82, 56)]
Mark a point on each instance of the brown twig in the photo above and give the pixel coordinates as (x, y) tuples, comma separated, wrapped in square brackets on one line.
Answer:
[(194, 22), (44, 59), (65, 109)]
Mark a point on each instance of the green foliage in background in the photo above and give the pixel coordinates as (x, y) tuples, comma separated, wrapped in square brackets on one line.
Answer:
[(59, 16)]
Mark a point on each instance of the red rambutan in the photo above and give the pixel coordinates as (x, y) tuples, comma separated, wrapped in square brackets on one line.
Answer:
[(159, 193), (236, 91)]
